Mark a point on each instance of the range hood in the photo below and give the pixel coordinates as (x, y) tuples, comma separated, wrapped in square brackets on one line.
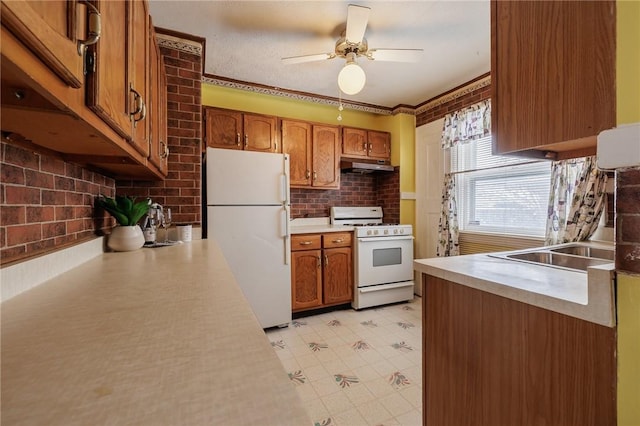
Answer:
[(361, 167)]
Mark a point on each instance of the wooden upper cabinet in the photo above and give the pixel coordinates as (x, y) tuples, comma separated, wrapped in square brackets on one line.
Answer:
[(159, 153), (552, 76), (326, 157), (366, 144), (231, 129), (138, 69), (121, 56), (260, 133), (296, 141), (354, 142), (314, 152), (51, 29), (224, 128), (379, 145)]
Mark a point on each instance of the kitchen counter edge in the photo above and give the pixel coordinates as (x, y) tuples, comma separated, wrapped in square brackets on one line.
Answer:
[(588, 296)]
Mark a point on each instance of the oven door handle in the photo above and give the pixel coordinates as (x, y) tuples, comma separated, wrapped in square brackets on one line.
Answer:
[(389, 238), (372, 288)]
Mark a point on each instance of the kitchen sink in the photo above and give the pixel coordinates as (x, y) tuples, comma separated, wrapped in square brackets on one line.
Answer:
[(575, 257), (586, 251)]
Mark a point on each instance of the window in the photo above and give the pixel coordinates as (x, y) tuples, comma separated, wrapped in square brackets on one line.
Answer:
[(500, 194)]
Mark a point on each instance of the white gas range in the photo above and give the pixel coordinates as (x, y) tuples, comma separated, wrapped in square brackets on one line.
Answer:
[(383, 260)]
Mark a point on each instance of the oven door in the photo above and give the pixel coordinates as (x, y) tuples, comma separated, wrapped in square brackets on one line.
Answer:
[(382, 260)]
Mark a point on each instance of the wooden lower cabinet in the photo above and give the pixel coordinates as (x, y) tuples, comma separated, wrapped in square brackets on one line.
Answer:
[(489, 360), (321, 270), (306, 279)]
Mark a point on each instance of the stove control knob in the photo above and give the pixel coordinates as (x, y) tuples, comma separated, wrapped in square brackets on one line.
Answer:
[(368, 231), (386, 231), (402, 231), (375, 232), (395, 231)]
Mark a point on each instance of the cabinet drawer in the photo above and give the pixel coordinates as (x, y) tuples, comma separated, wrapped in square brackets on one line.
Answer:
[(336, 239), (305, 242)]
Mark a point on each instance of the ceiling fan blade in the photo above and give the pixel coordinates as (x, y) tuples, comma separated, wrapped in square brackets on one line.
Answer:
[(357, 18), (307, 58), (395, 55)]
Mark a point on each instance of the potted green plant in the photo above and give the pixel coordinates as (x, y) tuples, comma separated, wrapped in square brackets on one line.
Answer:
[(127, 211)]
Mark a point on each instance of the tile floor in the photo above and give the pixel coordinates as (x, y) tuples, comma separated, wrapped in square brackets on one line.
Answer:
[(355, 368)]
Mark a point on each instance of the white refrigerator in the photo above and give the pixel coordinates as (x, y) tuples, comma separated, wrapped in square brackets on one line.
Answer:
[(248, 216)]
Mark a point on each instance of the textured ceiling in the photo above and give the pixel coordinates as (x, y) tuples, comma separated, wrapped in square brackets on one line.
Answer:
[(247, 39)]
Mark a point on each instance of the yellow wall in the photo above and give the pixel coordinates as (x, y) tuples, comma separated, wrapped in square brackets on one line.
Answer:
[(628, 61), (628, 309), (628, 286), (401, 126)]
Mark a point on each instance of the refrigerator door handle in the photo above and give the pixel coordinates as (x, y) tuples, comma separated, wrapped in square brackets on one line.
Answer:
[(286, 237), (283, 188)]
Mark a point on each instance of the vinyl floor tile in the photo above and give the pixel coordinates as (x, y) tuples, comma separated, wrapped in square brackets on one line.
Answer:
[(356, 368)]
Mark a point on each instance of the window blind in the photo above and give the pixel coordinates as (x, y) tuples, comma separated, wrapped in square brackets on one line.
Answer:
[(500, 194)]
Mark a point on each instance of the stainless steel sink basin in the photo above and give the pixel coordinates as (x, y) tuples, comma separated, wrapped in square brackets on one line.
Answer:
[(586, 251), (557, 259), (576, 257)]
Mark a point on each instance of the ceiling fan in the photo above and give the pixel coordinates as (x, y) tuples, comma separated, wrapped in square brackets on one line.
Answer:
[(352, 45)]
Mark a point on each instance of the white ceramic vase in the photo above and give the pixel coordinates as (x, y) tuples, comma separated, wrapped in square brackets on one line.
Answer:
[(126, 238)]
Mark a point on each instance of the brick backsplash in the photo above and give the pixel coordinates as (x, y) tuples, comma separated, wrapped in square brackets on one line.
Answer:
[(627, 221), (374, 189), (181, 190), (46, 203)]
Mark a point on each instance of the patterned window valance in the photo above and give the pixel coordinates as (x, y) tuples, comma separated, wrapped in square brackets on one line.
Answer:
[(467, 124)]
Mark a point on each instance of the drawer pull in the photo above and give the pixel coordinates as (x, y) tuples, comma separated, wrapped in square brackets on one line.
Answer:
[(338, 241), (305, 243)]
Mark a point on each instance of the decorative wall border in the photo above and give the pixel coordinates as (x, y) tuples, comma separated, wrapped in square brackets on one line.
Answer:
[(295, 95), (454, 94), (165, 40)]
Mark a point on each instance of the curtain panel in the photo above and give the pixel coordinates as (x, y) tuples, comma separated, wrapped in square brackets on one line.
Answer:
[(448, 226), (467, 124), (576, 200)]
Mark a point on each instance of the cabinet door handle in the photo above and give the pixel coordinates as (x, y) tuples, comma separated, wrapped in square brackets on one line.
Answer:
[(305, 243), (364, 146), (315, 175), (165, 150), (141, 108), (370, 148), (94, 29), (326, 260), (338, 241), (319, 261), (238, 139), (143, 113), (246, 141), (307, 174)]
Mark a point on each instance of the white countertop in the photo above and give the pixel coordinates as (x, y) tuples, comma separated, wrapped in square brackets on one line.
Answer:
[(316, 225), (150, 337), (588, 296)]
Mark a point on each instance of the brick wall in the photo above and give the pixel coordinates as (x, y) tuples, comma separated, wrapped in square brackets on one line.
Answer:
[(627, 226), (388, 194), (46, 203), (181, 190), (454, 102), (374, 189)]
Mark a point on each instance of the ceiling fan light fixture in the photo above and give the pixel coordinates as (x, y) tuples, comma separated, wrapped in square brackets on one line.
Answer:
[(351, 78)]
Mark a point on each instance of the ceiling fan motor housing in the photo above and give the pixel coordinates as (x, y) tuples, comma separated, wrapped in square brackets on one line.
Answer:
[(344, 47)]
